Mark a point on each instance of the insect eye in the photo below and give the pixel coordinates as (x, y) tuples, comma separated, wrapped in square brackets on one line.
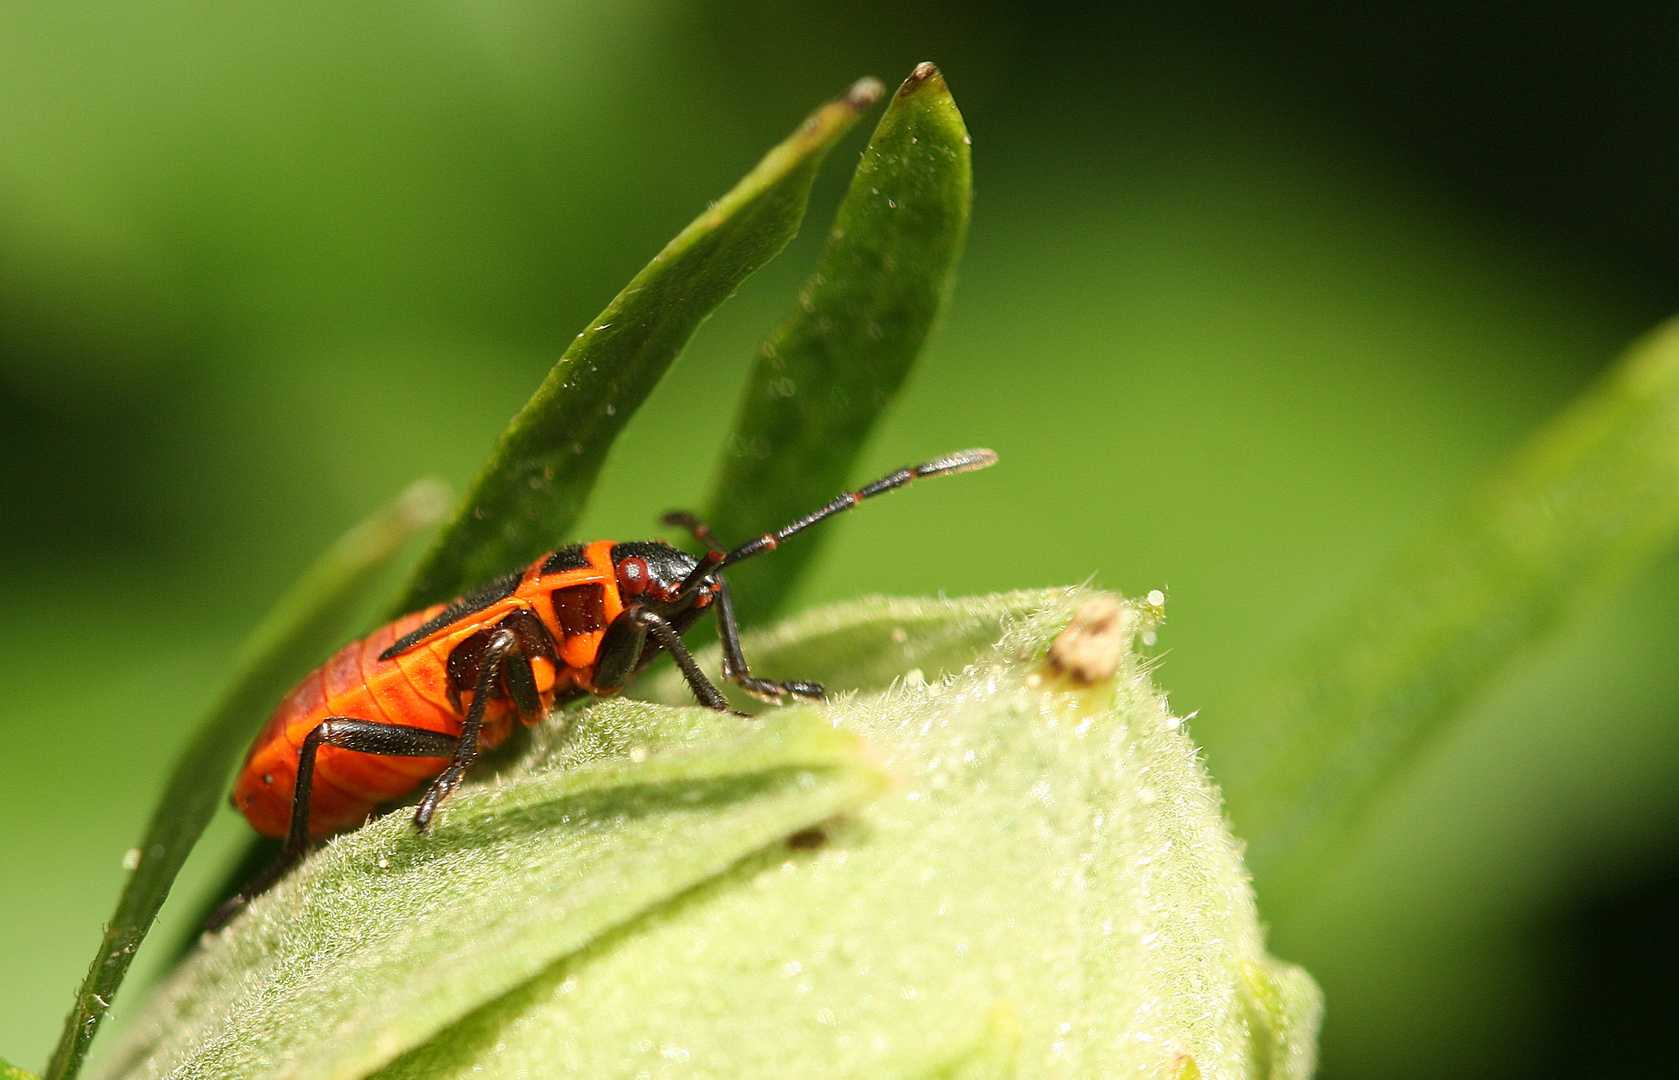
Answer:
[(633, 576)]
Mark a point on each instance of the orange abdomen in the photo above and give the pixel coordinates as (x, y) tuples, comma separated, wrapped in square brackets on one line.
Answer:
[(410, 689)]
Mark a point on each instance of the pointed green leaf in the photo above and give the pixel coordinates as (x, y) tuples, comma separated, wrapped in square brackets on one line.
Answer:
[(288, 641), (537, 478), (1275, 998), (1590, 499), (836, 362), (386, 935), (12, 1072), (1047, 888)]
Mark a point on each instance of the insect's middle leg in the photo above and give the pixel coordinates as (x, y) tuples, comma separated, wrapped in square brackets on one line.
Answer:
[(501, 655)]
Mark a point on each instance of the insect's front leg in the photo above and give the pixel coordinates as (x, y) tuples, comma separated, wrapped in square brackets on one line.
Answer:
[(621, 648), (734, 661), (728, 627)]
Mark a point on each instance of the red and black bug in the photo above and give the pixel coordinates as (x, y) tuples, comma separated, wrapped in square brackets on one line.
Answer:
[(419, 698)]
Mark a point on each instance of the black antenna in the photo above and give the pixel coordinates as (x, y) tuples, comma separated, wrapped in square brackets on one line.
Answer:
[(959, 462), (714, 560)]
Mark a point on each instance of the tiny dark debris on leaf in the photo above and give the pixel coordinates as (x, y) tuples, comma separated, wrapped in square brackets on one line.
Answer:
[(807, 839)]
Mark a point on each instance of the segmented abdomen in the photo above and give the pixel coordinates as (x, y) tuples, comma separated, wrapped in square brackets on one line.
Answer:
[(410, 689)]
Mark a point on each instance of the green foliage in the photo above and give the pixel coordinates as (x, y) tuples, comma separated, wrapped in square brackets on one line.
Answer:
[(1590, 499), (634, 871), (12, 1072), (633, 891), (1013, 876), (539, 475), (825, 375), (1172, 278), (541, 470), (285, 645)]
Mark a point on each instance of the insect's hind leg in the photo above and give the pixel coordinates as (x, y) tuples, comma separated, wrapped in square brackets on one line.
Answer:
[(346, 733), (363, 737)]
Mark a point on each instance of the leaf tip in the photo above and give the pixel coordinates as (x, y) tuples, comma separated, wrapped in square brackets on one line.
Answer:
[(926, 74), (864, 93), (833, 119), (12, 1072), (424, 502)]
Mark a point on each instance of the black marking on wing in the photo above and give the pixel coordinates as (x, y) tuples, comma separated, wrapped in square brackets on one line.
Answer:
[(580, 609), (567, 558), (477, 600)]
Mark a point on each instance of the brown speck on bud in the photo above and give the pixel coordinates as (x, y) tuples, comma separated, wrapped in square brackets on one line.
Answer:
[(1089, 648)]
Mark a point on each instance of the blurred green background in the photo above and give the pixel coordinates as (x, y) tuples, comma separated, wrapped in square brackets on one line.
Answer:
[(1253, 290)]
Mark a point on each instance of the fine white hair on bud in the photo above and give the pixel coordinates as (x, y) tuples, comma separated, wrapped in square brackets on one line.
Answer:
[(989, 869)]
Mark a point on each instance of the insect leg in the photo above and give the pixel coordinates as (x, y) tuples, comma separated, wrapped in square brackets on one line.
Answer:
[(734, 661), (502, 642), (620, 653), (709, 695), (728, 627), (346, 733), (521, 687), (620, 650), (364, 737)]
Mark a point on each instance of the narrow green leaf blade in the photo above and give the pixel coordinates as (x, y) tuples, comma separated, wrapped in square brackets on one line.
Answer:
[(826, 374), (643, 804), (12, 1072), (1589, 500), (535, 483), (288, 641)]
